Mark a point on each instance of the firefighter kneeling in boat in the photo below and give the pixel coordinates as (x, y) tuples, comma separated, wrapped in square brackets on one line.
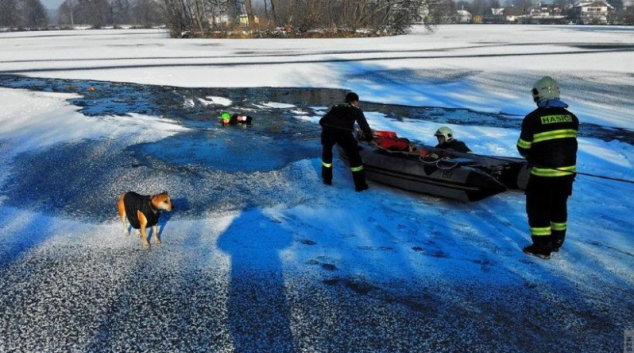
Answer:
[(337, 128)]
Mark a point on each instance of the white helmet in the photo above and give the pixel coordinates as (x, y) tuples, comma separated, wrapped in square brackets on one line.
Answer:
[(446, 132), (545, 88)]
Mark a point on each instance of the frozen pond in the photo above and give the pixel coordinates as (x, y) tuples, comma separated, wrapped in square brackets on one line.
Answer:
[(259, 256), (223, 168)]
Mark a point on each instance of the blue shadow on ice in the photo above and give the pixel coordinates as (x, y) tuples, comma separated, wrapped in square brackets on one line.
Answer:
[(259, 313), (230, 150), (29, 230)]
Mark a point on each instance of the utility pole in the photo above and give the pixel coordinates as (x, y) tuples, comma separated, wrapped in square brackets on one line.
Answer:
[(71, 6)]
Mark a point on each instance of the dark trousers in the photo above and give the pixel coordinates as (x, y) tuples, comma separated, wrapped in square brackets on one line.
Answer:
[(546, 204), (350, 147)]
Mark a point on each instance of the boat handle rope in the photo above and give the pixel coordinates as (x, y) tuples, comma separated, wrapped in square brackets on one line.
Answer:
[(592, 175), (440, 163), (577, 172)]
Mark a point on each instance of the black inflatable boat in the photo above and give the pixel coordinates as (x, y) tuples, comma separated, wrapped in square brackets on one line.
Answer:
[(449, 174)]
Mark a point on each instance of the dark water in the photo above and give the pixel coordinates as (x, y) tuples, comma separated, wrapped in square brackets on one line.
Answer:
[(112, 98)]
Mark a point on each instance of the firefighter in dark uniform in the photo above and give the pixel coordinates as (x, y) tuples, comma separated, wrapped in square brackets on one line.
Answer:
[(234, 119), (548, 141), (337, 128), (448, 142)]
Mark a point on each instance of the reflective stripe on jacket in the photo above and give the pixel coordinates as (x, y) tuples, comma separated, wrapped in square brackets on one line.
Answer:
[(548, 141)]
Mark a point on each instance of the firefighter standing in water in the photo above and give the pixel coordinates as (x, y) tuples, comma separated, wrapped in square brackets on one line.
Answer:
[(548, 141), (337, 128), (233, 119)]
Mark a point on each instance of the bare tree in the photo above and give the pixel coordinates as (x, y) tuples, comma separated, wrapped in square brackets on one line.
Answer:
[(121, 12), (65, 13), (110, 12), (23, 14), (97, 13), (197, 9), (9, 13), (33, 14), (176, 18), (145, 13), (249, 10)]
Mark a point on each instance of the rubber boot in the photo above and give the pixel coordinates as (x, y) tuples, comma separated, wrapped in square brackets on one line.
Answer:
[(326, 175), (557, 241), (359, 181), (541, 247)]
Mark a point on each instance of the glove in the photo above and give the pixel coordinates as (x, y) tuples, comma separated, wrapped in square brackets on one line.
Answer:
[(428, 155)]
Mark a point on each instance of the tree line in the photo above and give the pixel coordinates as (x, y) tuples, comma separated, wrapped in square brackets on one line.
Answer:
[(31, 14), (101, 13), (300, 17), (226, 17), (22, 14), (252, 18)]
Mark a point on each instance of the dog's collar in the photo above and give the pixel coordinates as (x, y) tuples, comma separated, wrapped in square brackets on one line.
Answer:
[(154, 210)]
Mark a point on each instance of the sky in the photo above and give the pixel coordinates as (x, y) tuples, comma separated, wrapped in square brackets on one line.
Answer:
[(255, 229), (52, 4)]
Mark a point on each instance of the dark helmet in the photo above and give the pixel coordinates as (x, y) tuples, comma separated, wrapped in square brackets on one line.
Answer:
[(352, 97)]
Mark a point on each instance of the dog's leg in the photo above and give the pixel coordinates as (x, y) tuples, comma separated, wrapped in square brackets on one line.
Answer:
[(143, 229), (155, 236), (122, 215), (126, 232)]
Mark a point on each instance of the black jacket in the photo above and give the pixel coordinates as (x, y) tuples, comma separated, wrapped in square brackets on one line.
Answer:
[(234, 119), (341, 118), (134, 202), (548, 141), (455, 145)]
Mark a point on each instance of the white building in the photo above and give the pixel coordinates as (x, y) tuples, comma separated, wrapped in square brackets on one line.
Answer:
[(595, 12), (463, 16)]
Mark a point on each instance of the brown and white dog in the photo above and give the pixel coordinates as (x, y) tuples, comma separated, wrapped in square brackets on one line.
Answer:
[(142, 211)]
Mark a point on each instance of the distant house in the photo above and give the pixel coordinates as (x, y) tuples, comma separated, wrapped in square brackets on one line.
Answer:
[(244, 20), (463, 16), (596, 12), (460, 16), (544, 14), (513, 14), (494, 15)]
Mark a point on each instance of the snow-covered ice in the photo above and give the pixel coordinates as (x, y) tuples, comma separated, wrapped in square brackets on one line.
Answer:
[(258, 255)]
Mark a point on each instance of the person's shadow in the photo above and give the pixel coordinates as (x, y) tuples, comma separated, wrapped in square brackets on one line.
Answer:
[(258, 312)]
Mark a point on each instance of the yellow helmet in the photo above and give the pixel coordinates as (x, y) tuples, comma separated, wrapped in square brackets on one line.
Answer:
[(545, 88)]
